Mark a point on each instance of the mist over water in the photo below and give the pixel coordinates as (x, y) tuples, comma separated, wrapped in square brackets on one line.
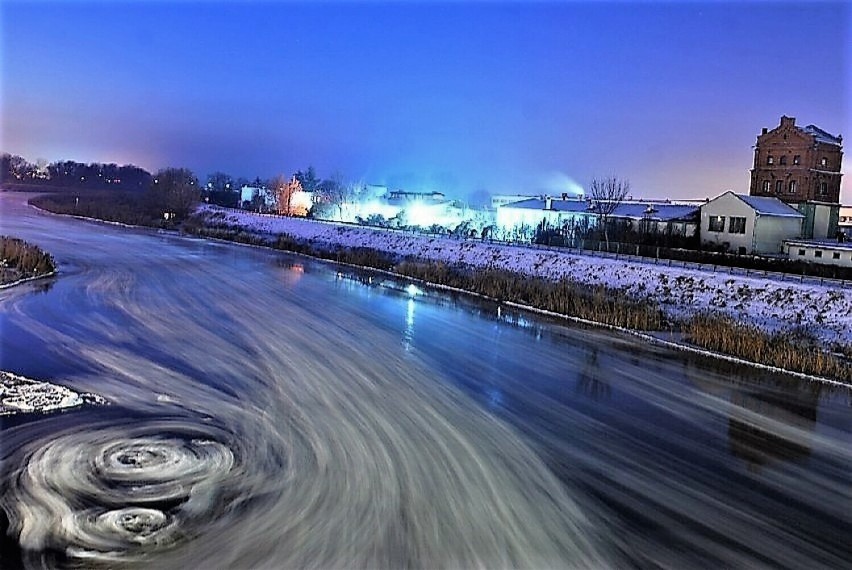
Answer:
[(270, 412)]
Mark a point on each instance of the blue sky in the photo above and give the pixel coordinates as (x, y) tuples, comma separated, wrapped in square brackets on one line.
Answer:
[(507, 97)]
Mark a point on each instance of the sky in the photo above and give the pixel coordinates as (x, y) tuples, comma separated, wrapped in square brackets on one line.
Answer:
[(457, 97)]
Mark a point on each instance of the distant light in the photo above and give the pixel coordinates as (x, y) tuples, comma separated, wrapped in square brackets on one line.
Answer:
[(413, 290)]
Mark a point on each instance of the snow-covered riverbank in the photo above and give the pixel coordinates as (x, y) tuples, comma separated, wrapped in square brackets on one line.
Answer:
[(22, 395), (823, 310)]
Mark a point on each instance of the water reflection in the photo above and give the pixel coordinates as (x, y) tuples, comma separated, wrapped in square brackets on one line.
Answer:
[(756, 442), (590, 381), (408, 334)]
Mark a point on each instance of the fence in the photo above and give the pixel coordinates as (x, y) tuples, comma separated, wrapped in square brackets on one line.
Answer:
[(664, 256)]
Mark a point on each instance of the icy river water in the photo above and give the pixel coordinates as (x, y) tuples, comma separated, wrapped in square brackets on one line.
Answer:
[(270, 411)]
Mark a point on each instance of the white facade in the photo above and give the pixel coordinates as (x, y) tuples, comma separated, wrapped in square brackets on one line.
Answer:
[(829, 253), (845, 220), (247, 194), (748, 224)]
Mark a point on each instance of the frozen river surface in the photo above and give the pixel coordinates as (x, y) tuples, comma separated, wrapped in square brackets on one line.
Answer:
[(270, 412)]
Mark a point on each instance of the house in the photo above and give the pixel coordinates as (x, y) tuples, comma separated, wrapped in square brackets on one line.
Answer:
[(820, 251), (748, 224), (801, 166)]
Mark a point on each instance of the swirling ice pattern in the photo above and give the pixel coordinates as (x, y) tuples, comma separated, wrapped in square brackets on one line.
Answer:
[(108, 496), (285, 419)]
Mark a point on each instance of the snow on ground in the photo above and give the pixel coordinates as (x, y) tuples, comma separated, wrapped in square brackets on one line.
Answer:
[(773, 304), (19, 394)]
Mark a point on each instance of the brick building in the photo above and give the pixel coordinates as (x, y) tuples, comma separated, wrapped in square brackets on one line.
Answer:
[(797, 164)]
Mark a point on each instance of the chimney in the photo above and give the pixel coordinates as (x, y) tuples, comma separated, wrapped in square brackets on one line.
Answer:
[(764, 130), (548, 203), (788, 121), (565, 195)]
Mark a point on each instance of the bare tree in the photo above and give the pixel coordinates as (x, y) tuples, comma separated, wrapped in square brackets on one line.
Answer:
[(606, 194), (174, 192), (282, 191)]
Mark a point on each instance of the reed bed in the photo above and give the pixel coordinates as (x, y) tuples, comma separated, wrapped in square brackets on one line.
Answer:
[(594, 303), (784, 350), (20, 260)]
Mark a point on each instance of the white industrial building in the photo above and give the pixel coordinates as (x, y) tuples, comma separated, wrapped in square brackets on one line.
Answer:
[(748, 224)]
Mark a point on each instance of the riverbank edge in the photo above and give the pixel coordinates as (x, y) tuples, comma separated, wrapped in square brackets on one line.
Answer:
[(53, 273), (639, 334), (267, 241)]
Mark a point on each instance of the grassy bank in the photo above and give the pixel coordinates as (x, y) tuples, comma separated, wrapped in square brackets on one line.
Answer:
[(21, 260)]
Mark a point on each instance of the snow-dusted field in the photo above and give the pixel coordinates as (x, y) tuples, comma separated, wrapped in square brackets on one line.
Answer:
[(823, 310)]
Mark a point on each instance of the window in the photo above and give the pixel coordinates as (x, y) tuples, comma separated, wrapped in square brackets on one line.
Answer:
[(792, 187), (801, 252), (818, 253), (782, 161), (797, 159), (766, 185), (737, 225), (823, 161), (778, 185), (716, 224), (823, 188), (770, 160), (835, 255)]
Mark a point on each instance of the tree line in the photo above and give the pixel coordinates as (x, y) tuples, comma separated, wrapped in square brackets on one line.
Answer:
[(131, 194), (15, 169)]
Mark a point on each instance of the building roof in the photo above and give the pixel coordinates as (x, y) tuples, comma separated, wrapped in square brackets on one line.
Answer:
[(821, 244), (822, 136), (635, 210), (769, 206)]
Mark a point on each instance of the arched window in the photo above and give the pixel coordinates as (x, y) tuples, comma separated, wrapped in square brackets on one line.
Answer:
[(766, 185), (792, 187), (823, 188), (823, 161), (782, 161), (770, 160)]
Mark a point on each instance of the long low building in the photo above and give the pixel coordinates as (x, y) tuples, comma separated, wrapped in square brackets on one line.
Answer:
[(680, 219), (820, 251)]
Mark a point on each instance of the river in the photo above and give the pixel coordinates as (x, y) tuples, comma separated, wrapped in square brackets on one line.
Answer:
[(272, 411)]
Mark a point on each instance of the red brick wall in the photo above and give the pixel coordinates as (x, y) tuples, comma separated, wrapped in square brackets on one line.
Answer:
[(783, 144)]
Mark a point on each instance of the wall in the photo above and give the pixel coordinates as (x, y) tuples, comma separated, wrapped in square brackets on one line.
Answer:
[(771, 231), (727, 205)]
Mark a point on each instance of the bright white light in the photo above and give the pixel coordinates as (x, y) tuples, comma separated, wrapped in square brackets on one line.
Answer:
[(413, 290)]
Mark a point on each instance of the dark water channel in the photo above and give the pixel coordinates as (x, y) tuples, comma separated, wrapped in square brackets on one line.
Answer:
[(270, 411)]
